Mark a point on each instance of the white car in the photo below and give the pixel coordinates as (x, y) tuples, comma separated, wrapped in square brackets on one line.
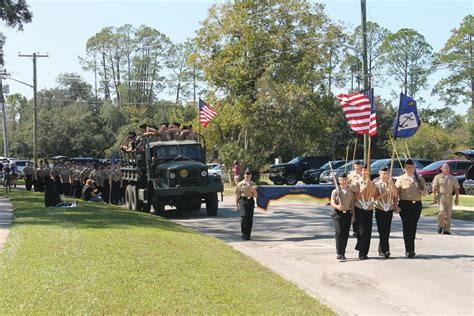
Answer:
[(216, 169)]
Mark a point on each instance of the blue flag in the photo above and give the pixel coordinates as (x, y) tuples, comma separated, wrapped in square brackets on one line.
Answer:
[(114, 159), (407, 121)]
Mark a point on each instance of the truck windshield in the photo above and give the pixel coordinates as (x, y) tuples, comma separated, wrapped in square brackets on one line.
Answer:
[(172, 151)]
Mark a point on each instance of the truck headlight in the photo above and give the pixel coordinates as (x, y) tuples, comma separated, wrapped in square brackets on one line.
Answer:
[(204, 173), (172, 175)]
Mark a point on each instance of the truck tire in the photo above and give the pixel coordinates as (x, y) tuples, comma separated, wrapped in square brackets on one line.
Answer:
[(127, 197), (211, 204), (291, 179), (134, 198)]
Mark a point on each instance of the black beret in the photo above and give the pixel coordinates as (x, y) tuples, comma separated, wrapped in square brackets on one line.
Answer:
[(365, 166), (343, 175), (247, 171), (144, 125), (409, 162), (384, 169), (357, 162)]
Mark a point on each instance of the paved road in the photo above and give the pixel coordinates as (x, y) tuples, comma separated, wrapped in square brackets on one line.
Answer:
[(6, 215), (296, 240)]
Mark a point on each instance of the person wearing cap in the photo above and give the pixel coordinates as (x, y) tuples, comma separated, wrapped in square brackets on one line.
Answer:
[(410, 187), (245, 192), (28, 172), (90, 193), (354, 176), (444, 184), (342, 201), (364, 211), (385, 198)]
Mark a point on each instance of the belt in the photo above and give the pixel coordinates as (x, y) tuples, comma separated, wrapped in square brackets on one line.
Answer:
[(344, 212), (246, 198), (409, 201)]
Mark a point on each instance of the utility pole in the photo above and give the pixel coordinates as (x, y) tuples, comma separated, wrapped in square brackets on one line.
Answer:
[(364, 66), (2, 98), (35, 105)]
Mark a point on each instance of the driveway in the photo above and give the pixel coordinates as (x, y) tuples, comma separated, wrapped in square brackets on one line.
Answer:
[(296, 240)]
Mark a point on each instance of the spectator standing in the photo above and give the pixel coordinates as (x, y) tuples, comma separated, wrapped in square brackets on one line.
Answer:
[(444, 184), (236, 170)]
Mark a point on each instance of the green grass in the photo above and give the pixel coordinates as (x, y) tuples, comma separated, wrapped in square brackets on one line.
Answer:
[(431, 209), (98, 259)]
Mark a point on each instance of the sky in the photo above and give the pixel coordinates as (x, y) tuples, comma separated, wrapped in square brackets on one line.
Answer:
[(61, 29)]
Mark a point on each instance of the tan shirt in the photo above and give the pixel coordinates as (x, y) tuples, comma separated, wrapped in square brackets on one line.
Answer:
[(385, 202), (354, 177), (445, 185), (65, 175), (343, 197), (365, 187), (409, 188), (115, 175), (245, 189)]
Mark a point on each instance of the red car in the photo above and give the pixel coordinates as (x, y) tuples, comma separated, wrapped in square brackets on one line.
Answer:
[(456, 167)]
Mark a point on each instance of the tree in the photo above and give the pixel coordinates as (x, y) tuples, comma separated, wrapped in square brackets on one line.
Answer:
[(458, 56), (352, 62), (14, 13), (408, 56), (269, 64)]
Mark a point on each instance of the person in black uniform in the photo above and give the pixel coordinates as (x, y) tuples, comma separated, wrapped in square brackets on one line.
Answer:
[(342, 201), (245, 192)]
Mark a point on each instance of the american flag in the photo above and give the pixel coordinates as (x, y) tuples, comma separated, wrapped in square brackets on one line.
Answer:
[(360, 111), (206, 113)]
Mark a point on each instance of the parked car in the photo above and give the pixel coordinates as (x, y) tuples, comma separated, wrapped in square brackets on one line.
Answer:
[(326, 176), (292, 171), (311, 176), (398, 164), (457, 167), (216, 169), (468, 184)]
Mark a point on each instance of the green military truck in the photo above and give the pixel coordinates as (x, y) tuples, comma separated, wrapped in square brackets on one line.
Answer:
[(160, 173)]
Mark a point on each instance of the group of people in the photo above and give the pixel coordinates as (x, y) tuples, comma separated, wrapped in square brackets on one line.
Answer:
[(357, 196), (10, 174), (165, 132), (87, 182)]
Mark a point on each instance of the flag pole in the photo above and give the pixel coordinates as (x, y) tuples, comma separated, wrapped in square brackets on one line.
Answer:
[(355, 148), (408, 150), (394, 149), (347, 157), (199, 115)]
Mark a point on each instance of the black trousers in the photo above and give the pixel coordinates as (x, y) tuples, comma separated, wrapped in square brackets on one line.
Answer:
[(384, 224), (40, 185), (410, 214), (66, 188), (364, 230), (246, 210), (106, 192), (342, 226), (115, 192), (28, 182), (76, 189)]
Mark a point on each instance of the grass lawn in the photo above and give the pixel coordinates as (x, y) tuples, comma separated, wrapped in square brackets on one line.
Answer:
[(431, 209), (98, 259)]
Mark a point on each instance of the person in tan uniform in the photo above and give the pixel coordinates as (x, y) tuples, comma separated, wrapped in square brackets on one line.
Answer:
[(354, 176), (342, 201), (443, 186), (364, 211), (386, 198), (245, 192), (410, 188)]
